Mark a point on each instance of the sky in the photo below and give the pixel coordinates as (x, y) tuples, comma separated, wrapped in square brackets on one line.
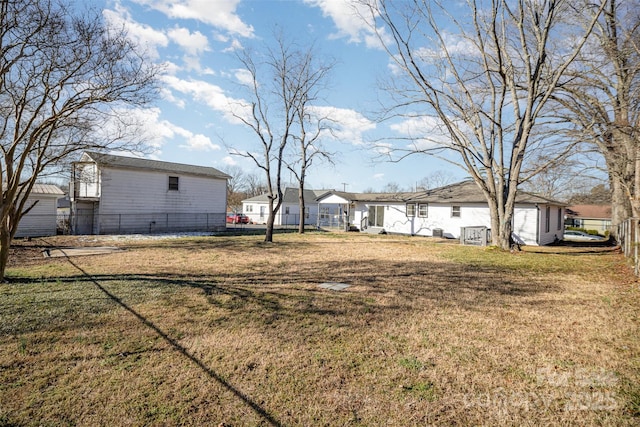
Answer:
[(197, 42)]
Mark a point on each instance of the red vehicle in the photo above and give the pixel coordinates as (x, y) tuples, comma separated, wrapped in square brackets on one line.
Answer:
[(237, 218)]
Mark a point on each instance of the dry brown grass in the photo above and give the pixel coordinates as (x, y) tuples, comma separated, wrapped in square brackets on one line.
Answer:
[(212, 330)]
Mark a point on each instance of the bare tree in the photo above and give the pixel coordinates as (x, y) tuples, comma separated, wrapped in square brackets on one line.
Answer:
[(63, 77), (236, 187), (437, 178), (254, 185), (311, 123), (391, 187), (282, 87), (601, 100), (480, 86)]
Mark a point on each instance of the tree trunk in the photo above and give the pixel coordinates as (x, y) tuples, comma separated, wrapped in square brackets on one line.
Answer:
[(620, 205), (268, 236), (5, 243), (302, 208)]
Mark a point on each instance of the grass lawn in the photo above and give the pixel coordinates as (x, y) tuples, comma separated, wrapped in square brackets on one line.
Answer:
[(233, 331)]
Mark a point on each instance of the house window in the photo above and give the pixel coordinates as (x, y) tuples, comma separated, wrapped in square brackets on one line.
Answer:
[(173, 183), (248, 208), (286, 210), (559, 218), (455, 211), (423, 210), (376, 216), (306, 213), (547, 219), (411, 209)]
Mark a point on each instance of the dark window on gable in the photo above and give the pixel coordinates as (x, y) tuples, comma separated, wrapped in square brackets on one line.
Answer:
[(173, 183), (455, 211)]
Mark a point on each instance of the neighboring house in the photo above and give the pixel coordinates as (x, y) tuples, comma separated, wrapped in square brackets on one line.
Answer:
[(446, 210), (117, 194), (41, 219), (589, 217), (257, 208)]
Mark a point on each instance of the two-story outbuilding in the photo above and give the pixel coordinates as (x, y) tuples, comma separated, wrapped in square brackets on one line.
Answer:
[(117, 194)]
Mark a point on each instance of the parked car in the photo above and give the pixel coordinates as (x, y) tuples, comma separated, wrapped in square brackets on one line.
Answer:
[(237, 218), (581, 236)]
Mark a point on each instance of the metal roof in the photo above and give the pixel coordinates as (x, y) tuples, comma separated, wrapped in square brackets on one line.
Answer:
[(48, 189), (110, 160)]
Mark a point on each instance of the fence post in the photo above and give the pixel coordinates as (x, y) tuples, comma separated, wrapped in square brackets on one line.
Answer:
[(635, 245)]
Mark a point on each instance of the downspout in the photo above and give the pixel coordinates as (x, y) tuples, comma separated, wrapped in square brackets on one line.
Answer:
[(537, 225)]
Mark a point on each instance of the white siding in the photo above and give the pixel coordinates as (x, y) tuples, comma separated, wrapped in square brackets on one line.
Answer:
[(140, 201), (129, 191), (526, 225), (438, 216), (556, 229), (41, 220)]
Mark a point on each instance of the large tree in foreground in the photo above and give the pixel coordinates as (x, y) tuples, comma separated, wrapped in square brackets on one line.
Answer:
[(64, 76), (602, 100), (480, 81)]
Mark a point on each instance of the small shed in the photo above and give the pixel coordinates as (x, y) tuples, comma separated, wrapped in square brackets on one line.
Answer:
[(41, 220)]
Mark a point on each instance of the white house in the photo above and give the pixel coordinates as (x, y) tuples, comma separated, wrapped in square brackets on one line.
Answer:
[(117, 194), (446, 210), (256, 208), (41, 219)]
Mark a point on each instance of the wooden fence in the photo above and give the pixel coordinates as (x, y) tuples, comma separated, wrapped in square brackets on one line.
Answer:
[(629, 238)]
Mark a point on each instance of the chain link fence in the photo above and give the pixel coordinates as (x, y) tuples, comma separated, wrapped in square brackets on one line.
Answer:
[(84, 222)]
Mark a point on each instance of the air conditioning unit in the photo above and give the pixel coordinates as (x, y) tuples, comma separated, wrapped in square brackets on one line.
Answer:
[(437, 232)]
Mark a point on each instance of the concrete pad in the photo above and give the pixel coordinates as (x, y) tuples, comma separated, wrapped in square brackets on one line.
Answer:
[(334, 286), (67, 252)]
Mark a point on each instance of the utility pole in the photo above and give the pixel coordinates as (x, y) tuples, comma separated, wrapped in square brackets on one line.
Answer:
[(344, 186)]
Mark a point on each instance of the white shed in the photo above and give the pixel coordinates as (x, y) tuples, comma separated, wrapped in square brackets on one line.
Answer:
[(41, 219)]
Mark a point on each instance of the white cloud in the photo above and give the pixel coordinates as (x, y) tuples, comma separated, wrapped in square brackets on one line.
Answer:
[(424, 132), (244, 76), (352, 19), (219, 13), (156, 132), (193, 43), (211, 95), (144, 35), (348, 125), (378, 176), (197, 142), (229, 161), (455, 44)]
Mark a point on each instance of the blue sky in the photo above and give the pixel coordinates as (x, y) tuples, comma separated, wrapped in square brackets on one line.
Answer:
[(197, 41)]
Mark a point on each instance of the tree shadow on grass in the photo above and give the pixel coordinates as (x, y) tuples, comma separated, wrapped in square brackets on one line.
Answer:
[(262, 412)]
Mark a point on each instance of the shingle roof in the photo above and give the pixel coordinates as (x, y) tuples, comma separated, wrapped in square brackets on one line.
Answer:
[(461, 192), (589, 211), (156, 165), (469, 192), (290, 195)]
